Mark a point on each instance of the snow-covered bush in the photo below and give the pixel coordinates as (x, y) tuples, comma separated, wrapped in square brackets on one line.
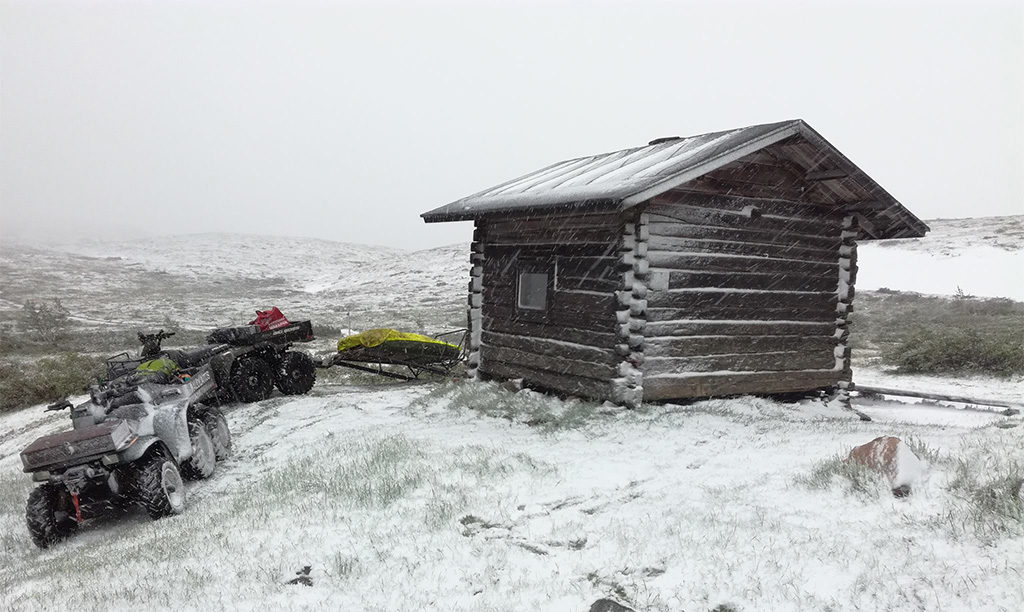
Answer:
[(958, 351), (46, 380)]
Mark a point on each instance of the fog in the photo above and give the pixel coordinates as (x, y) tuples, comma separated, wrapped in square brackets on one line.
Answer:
[(346, 121)]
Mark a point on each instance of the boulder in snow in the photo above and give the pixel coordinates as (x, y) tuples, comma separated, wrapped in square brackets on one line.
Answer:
[(607, 605), (892, 458)]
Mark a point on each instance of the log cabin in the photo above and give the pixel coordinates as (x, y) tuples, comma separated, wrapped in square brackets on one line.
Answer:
[(711, 265)]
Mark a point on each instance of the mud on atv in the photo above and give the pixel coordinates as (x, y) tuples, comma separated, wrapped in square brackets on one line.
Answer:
[(131, 444)]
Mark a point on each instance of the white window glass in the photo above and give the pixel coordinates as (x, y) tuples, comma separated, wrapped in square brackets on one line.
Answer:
[(533, 290)]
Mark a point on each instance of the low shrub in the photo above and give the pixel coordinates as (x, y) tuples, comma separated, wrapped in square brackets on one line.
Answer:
[(45, 380), (958, 351)]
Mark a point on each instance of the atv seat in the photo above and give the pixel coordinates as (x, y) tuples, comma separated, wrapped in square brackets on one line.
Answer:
[(192, 358)]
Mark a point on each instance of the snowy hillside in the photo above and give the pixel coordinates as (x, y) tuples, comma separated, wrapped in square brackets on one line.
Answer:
[(212, 279), (983, 257)]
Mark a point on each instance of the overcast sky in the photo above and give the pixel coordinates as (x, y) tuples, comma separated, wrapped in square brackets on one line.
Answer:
[(345, 121)]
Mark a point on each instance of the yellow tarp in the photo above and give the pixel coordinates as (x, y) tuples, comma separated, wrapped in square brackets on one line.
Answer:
[(377, 337)]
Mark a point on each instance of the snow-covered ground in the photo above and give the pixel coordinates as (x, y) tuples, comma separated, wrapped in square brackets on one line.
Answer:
[(439, 496), (983, 257)]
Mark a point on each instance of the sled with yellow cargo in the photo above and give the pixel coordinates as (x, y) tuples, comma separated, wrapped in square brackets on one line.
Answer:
[(406, 355)]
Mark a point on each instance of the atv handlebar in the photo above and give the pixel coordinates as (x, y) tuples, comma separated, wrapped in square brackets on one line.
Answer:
[(151, 342), (60, 404), (160, 335)]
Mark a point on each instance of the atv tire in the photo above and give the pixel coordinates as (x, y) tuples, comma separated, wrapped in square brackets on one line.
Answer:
[(43, 513), (296, 374), (203, 461), (157, 485), (251, 380), (217, 427)]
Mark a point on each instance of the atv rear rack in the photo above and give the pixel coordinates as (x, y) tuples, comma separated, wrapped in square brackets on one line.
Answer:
[(373, 360)]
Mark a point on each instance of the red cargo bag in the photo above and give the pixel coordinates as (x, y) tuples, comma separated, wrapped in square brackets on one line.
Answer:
[(267, 320)]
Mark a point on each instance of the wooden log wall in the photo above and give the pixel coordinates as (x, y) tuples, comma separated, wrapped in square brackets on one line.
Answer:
[(847, 280), (631, 313), (745, 296), (570, 346), (474, 313)]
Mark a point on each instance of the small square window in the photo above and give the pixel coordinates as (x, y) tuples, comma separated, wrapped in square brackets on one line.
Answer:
[(533, 290)]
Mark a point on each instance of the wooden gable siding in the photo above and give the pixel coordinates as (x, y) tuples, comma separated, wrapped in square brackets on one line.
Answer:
[(569, 346), (752, 302)]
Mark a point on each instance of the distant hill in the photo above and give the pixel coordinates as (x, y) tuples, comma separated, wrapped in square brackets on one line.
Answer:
[(982, 256), (201, 280)]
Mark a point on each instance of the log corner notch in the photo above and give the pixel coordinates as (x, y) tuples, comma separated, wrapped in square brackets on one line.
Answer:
[(474, 310), (631, 314), (845, 291)]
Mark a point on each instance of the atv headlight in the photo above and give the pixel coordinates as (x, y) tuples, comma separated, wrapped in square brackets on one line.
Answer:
[(40, 476)]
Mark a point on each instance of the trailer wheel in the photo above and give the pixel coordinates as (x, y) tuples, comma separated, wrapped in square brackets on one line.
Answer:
[(157, 485), (47, 522), (217, 426), (296, 374), (252, 380), (203, 461)]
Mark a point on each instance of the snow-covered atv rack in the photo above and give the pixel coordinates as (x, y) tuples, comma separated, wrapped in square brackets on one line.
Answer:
[(414, 358)]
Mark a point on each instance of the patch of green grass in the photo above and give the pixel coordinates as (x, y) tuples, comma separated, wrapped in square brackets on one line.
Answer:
[(985, 483), (368, 474), (344, 566), (854, 478), (525, 406)]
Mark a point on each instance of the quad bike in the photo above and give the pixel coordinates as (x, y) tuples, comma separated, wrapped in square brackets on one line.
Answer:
[(131, 443), (152, 420), (247, 362)]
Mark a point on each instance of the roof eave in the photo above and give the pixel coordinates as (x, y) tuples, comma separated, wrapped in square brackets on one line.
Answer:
[(443, 215)]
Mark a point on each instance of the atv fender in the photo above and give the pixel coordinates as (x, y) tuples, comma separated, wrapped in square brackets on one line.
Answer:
[(221, 365), (138, 449), (170, 425)]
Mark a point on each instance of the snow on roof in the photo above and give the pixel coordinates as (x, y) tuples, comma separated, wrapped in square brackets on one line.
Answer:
[(622, 179)]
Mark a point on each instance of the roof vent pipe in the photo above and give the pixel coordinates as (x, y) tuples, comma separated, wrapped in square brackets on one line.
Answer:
[(665, 139)]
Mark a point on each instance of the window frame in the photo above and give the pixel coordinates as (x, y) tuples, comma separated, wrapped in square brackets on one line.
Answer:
[(534, 267)]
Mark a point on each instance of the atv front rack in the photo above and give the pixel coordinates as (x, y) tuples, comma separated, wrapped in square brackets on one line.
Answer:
[(373, 359)]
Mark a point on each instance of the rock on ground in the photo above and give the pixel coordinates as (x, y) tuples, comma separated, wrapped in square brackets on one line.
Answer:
[(892, 458)]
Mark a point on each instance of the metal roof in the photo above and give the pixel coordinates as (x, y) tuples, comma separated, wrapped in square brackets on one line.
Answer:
[(623, 179)]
